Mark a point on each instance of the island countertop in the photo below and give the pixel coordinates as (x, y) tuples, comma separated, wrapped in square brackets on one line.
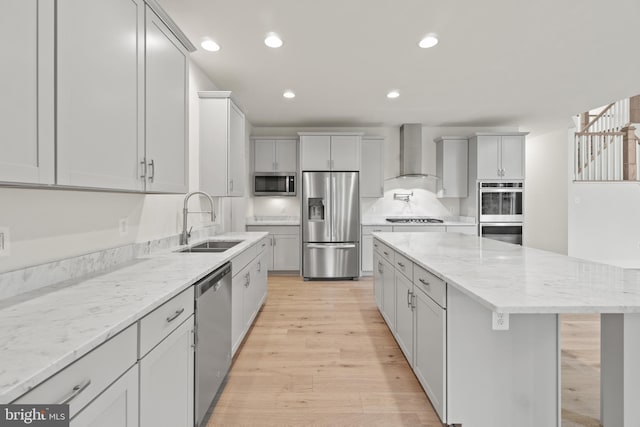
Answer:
[(508, 278)]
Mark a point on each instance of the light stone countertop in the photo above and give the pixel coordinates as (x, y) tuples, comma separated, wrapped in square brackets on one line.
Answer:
[(513, 279), (383, 221), (273, 220), (40, 336)]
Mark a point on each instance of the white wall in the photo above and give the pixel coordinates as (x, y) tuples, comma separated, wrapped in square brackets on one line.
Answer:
[(46, 225), (545, 196)]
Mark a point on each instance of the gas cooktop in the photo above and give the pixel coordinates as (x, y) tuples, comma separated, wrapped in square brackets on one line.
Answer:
[(416, 220)]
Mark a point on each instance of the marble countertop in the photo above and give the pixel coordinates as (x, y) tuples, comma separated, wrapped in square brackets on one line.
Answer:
[(513, 279), (42, 335), (273, 220)]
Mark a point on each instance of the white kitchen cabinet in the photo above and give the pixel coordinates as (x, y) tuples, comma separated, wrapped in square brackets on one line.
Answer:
[(167, 380), (330, 151), (372, 168), (500, 156), (404, 315), (222, 155), (388, 293), (166, 148), (27, 86), (238, 285), (378, 278), (452, 166), (99, 90), (430, 361), (366, 247), (116, 406), (275, 155), (283, 251)]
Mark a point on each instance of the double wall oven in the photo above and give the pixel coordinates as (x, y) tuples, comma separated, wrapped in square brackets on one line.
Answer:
[(501, 211)]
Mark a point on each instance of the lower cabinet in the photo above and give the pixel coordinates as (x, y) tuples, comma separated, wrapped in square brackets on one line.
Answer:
[(430, 363), (167, 380), (284, 246), (388, 294), (404, 315), (377, 279), (116, 406)]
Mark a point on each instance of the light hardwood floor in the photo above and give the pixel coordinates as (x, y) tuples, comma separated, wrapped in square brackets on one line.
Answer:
[(320, 354)]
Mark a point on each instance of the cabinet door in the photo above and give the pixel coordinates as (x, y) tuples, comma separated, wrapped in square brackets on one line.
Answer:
[(236, 167), (488, 157), (214, 137), (286, 252), (377, 279), (315, 152), (430, 350), (452, 167), (26, 85), (367, 253), (404, 315), (269, 253), (166, 109), (389, 294), (512, 152), (372, 169), (345, 153), (261, 280), (116, 406), (286, 155), (238, 285), (99, 89), (167, 380), (264, 155)]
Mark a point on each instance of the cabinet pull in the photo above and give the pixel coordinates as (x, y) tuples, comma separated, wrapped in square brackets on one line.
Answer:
[(143, 169), (409, 294), (424, 282), (152, 167), (400, 264), (231, 185), (175, 315), (247, 281), (413, 301), (379, 267), (386, 253), (259, 266), (75, 391)]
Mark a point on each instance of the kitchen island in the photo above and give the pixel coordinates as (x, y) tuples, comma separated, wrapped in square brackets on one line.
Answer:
[(477, 320)]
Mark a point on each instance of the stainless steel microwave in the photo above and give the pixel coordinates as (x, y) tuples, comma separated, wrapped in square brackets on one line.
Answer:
[(274, 184)]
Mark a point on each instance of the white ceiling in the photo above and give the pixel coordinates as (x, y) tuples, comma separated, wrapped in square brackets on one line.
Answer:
[(498, 63)]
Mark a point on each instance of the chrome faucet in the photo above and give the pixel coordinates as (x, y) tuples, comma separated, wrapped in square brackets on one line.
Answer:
[(184, 237)]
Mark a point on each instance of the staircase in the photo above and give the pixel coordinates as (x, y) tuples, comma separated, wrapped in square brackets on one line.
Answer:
[(606, 147)]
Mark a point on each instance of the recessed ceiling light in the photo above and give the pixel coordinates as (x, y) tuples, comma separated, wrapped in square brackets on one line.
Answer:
[(289, 94), (393, 94), (430, 40), (210, 45), (273, 40)]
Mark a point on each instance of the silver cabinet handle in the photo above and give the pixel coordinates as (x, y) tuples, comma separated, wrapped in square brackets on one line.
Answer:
[(409, 296), (259, 266), (231, 185), (143, 169), (379, 267), (400, 264), (424, 282), (413, 301), (386, 253), (264, 244), (152, 167), (175, 315), (75, 391), (247, 280), (375, 245)]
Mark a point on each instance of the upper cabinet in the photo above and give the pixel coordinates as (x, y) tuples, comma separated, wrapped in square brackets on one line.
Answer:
[(222, 139), (119, 115), (500, 156), (99, 91), (452, 166), (372, 169), (26, 83), (166, 148), (275, 154), (321, 151)]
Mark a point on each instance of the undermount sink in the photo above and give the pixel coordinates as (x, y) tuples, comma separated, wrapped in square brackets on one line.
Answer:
[(212, 246)]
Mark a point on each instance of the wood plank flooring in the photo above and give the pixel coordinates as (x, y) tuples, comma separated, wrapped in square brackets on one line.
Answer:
[(320, 354)]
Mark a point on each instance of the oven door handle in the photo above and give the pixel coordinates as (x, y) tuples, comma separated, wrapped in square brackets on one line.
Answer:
[(501, 190)]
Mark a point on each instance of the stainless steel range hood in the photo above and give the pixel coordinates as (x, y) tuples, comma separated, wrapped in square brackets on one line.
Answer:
[(411, 151)]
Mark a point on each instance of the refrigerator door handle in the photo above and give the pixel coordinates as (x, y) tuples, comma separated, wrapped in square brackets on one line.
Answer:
[(329, 210), (331, 246), (334, 212)]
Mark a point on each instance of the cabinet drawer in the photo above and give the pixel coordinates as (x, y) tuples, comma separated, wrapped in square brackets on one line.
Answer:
[(88, 376), (431, 284), (385, 251), (368, 229), (404, 265), (263, 244), (155, 326), (241, 260)]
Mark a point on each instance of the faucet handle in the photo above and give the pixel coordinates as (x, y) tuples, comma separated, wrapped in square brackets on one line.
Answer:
[(189, 232)]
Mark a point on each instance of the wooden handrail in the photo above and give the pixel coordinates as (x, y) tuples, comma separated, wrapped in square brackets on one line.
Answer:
[(599, 133), (607, 108)]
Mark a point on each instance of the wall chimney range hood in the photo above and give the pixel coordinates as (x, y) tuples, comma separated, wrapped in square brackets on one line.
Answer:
[(411, 152)]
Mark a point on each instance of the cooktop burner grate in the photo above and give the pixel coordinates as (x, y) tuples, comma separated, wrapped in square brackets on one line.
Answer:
[(416, 220)]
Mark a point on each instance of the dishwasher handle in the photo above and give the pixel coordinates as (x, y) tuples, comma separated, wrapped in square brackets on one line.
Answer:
[(213, 280)]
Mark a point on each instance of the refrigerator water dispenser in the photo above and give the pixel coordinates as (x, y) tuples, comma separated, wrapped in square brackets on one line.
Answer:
[(316, 209)]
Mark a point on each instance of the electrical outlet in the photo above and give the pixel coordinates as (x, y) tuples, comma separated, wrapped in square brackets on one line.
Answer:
[(500, 321), (5, 242), (123, 226)]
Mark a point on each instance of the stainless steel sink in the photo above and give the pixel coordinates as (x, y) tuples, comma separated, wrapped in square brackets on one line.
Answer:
[(212, 246)]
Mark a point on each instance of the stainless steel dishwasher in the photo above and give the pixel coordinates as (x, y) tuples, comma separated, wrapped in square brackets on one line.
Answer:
[(213, 339)]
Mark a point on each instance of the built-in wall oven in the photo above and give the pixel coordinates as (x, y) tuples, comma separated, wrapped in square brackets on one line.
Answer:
[(501, 214)]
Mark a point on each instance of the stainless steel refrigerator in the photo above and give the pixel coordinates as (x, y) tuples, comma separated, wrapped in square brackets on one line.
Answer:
[(330, 225)]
